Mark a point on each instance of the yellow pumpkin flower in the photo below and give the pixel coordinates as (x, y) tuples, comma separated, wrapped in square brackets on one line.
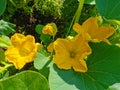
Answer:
[(93, 32), (50, 29), (22, 51), (71, 53)]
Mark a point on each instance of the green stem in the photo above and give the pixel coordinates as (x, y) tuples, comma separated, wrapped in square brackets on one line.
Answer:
[(24, 1), (79, 11), (5, 67), (13, 3), (53, 38), (76, 17), (68, 32)]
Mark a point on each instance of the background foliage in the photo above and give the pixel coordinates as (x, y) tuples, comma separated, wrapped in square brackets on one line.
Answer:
[(30, 16)]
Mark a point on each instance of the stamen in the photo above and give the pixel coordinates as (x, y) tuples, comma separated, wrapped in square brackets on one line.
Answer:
[(72, 54)]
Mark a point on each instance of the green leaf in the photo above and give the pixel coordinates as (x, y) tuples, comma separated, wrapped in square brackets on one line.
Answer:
[(6, 28), (103, 71), (4, 41), (26, 80), (2, 55), (4, 74), (39, 28), (46, 39), (109, 8), (41, 61), (2, 6)]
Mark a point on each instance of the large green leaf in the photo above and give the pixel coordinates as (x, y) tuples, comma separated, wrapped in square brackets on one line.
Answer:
[(26, 80), (103, 71), (2, 6), (109, 9)]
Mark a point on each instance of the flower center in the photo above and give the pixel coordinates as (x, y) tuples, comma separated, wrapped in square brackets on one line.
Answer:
[(72, 54), (24, 52)]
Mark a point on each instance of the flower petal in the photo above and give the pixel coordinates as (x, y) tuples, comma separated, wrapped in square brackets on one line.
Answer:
[(78, 28), (80, 66), (102, 33), (27, 45), (28, 48), (50, 47), (12, 55), (49, 29), (80, 44), (61, 57), (16, 39), (90, 25)]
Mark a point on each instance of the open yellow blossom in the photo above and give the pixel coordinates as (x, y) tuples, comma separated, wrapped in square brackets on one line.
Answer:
[(22, 51), (93, 32), (71, 53), (50, 29)]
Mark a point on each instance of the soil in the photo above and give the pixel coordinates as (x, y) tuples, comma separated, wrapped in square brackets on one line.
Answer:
[(26, 23)]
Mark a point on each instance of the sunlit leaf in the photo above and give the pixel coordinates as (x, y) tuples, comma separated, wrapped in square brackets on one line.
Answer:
[(90, 1), (4, 41), (115, 86), (41, 61)]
